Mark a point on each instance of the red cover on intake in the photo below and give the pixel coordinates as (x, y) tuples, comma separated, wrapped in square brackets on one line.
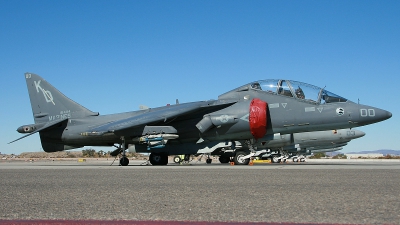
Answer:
[(258, 118)]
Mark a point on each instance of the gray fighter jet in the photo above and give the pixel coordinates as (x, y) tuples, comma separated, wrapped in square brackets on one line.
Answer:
[(256, 110), (281, 147)]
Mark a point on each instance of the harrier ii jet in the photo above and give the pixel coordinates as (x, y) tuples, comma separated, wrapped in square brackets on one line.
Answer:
[(247, 113)]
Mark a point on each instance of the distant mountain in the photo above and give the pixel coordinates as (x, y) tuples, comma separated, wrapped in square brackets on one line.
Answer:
[(382, 151)]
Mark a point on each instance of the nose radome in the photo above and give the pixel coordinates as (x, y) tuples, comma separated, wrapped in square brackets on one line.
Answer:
[(388, 114), (383, 114)]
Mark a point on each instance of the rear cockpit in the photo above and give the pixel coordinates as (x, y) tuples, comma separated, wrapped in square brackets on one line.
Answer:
[(289, 88)]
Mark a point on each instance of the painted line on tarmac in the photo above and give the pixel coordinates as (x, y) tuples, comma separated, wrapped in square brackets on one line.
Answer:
[(138, 222)]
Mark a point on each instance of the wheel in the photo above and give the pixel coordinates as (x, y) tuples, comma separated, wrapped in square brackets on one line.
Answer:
[(208, 161), (238, 159), (177, 159), (124, 161), (275, 159), (295, 159), (158, 159), (164, 158), (302, 160), (223, 159)]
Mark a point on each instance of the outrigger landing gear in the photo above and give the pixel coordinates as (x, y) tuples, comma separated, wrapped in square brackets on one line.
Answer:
[(123, 161), (208, 160)]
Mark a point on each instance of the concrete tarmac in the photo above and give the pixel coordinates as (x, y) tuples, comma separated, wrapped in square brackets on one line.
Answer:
[(357, 192)]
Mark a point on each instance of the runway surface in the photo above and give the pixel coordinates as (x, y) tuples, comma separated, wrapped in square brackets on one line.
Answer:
[(336, 192)]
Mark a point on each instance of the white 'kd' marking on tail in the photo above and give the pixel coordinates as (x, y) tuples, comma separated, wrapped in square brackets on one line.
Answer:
[(47, 94)]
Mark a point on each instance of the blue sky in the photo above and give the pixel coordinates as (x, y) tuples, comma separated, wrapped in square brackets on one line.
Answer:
[(112, 56)]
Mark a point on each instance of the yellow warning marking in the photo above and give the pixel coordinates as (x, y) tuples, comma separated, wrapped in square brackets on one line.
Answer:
[(262, 161)]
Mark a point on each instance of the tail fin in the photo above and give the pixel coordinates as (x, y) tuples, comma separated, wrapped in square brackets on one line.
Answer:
[(49, 104)]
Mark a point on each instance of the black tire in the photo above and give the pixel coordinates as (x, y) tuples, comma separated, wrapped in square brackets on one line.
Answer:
[(238, 158), (208, 161), (157, 159), (124, 161), (223, 159), (164, 159)]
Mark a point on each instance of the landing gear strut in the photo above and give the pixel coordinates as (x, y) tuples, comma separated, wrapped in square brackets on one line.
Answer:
[(208, 160), (123, 161)]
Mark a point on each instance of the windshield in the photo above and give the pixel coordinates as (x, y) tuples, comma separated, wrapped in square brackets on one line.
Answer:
[(297, 90), (328, 97)]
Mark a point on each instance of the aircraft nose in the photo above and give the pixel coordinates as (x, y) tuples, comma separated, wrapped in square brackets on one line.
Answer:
[(388, 114), (382, 114), (370, 115)]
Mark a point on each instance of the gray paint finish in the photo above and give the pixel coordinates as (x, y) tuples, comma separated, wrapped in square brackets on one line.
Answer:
[(295, 108)]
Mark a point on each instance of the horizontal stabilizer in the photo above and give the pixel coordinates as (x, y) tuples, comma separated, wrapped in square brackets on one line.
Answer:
[(46, 126)]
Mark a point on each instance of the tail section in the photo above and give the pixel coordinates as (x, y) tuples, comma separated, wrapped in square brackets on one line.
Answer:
[(49, 104), (51, 111)]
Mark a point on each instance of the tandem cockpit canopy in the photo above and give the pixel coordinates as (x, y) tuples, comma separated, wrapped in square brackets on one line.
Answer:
[(292, 89)]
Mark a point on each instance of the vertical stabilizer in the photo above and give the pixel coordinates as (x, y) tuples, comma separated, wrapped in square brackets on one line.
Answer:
[(49, 104)]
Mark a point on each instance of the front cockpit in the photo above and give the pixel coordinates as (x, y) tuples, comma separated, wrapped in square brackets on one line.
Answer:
[(290, 88)]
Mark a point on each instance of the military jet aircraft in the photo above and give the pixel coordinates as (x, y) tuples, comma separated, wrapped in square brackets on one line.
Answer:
[(250, 112), (280, 147)]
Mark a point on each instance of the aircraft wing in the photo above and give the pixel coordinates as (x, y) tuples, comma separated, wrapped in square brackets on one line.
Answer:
[(133, 126)]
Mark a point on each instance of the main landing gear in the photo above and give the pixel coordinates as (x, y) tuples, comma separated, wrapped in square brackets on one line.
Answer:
[(241, 158), (158, 159), (155, 159), (246, 157), (123, 161)]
